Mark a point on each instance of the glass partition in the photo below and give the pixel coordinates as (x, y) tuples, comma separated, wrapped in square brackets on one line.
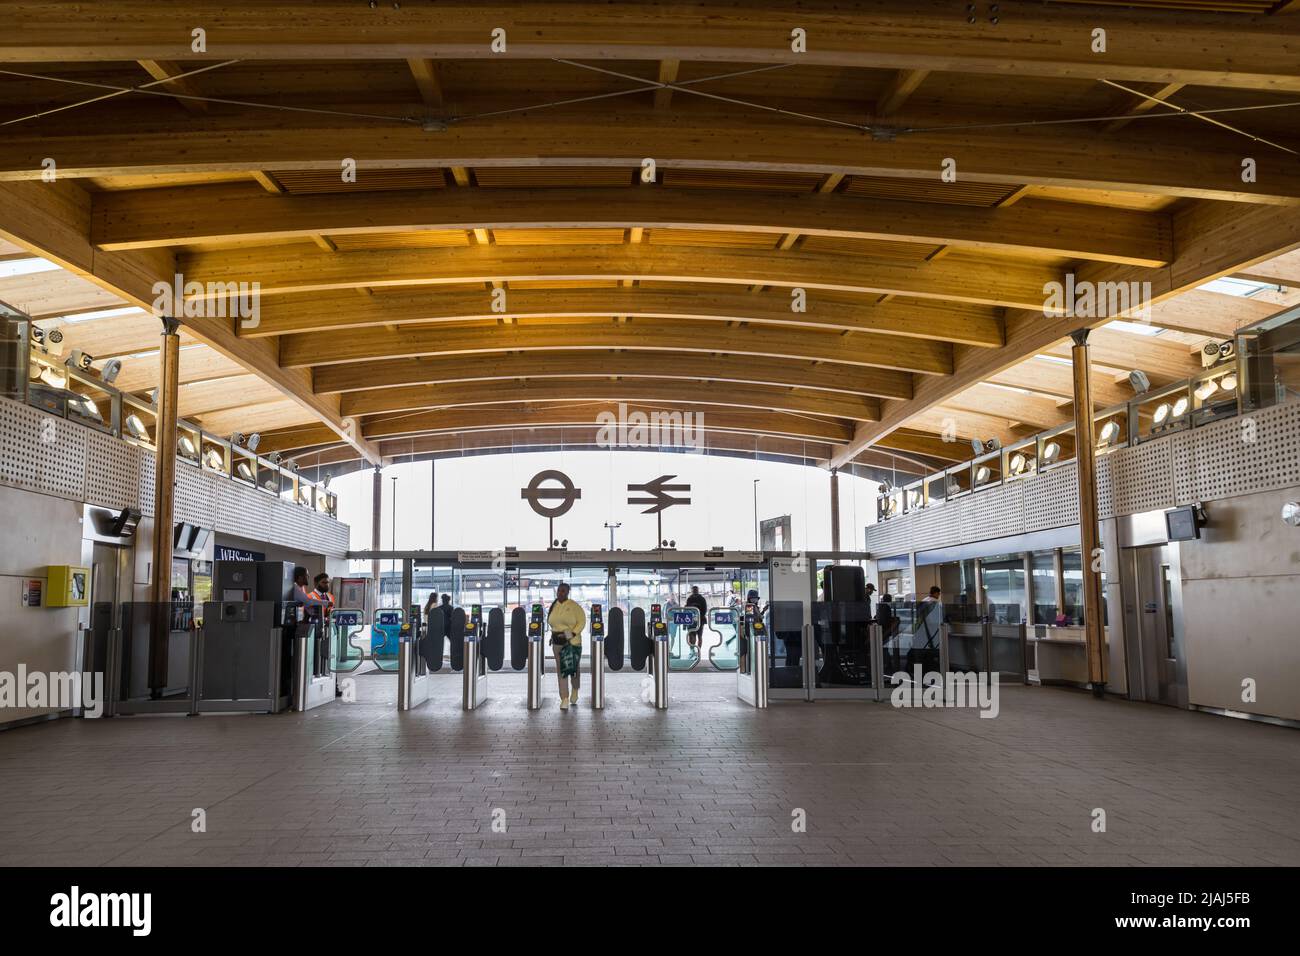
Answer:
[(987, 470), (1164, 411), (1022, 459), (1043, 569), (188, 444), (89, 403), (936, 488), (1269, 357), (139, 422), (1056, 447), (216, 456), (244, 466)]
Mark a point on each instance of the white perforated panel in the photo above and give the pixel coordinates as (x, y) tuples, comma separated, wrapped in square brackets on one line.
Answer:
[(890, 537), (148, 463), (49, 455), (61, 462), (112, 472), (196, 493), (19, 440), (1142, 478), (1239, 456), (936, 526), (1105, 487), (994, 513), (1052, 498), (1255, 452)]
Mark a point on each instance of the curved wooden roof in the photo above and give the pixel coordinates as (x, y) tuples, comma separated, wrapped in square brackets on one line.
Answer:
[(454, 245)]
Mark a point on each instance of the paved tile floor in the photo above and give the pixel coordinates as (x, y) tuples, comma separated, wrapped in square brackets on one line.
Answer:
[(709, 781)]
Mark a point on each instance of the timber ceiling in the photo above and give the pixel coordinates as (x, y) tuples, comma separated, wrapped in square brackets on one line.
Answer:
[(461, 249)]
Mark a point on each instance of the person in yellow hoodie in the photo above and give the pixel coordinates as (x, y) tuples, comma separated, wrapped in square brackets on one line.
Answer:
[(566, 621)]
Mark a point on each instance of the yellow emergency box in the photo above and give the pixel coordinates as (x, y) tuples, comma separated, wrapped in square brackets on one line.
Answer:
[(69, 586)]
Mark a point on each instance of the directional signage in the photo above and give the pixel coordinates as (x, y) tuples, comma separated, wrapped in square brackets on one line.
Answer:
[(659, 494)]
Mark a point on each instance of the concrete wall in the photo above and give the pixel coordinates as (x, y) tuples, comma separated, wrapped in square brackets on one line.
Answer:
[(1241, 606), (38, 531)]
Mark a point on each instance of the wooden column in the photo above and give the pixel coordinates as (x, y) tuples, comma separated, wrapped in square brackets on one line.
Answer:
[(164, 496), (1089, 535), (835, 509)]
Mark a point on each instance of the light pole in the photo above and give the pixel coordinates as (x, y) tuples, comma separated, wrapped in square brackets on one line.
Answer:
[(611, 528), (756, 481)]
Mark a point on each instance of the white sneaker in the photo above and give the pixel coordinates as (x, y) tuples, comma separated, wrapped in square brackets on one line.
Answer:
[(564, 703), (573, 698)]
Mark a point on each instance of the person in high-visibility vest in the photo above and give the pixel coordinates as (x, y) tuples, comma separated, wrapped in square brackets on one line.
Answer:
[(566, 621)]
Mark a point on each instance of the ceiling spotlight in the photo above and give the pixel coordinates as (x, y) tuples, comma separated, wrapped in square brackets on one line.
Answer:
[(254, 440), (982, 473), (993, 444), (977, 446), (329, 476), (1138, 379), (292, 464), (136, 427), (1206, 389), (274, 458), (237, 438), (271, 485), (1180, 407), (214, 459), (1161, 413), (186, 446), (1109, 432), (108, 374), (153, 396), (1051, 451), (1017, 463), (245, 470), (1229, 382), (914, 498), (953, 488), (80, 360)]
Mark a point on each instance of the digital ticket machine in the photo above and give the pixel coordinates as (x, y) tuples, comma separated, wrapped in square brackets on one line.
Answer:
[(597, 623), (659, 637), (536, 655), (247, 657)]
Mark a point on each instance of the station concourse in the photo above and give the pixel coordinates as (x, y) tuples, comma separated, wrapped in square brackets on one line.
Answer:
[(906, 395)]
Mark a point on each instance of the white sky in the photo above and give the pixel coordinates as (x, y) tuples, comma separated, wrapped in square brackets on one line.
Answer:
[(479, 506)]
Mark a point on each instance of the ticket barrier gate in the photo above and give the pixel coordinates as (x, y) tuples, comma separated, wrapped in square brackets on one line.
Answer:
[(386, 632), (659, 637), (752, 672), (474, 667), (313, 679), (724, 654), (536, 657), (597, 624), (412, 666), (682, 655)]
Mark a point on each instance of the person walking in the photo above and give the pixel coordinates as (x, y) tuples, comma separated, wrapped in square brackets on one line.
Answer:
[(697, 600), (566, 621)]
